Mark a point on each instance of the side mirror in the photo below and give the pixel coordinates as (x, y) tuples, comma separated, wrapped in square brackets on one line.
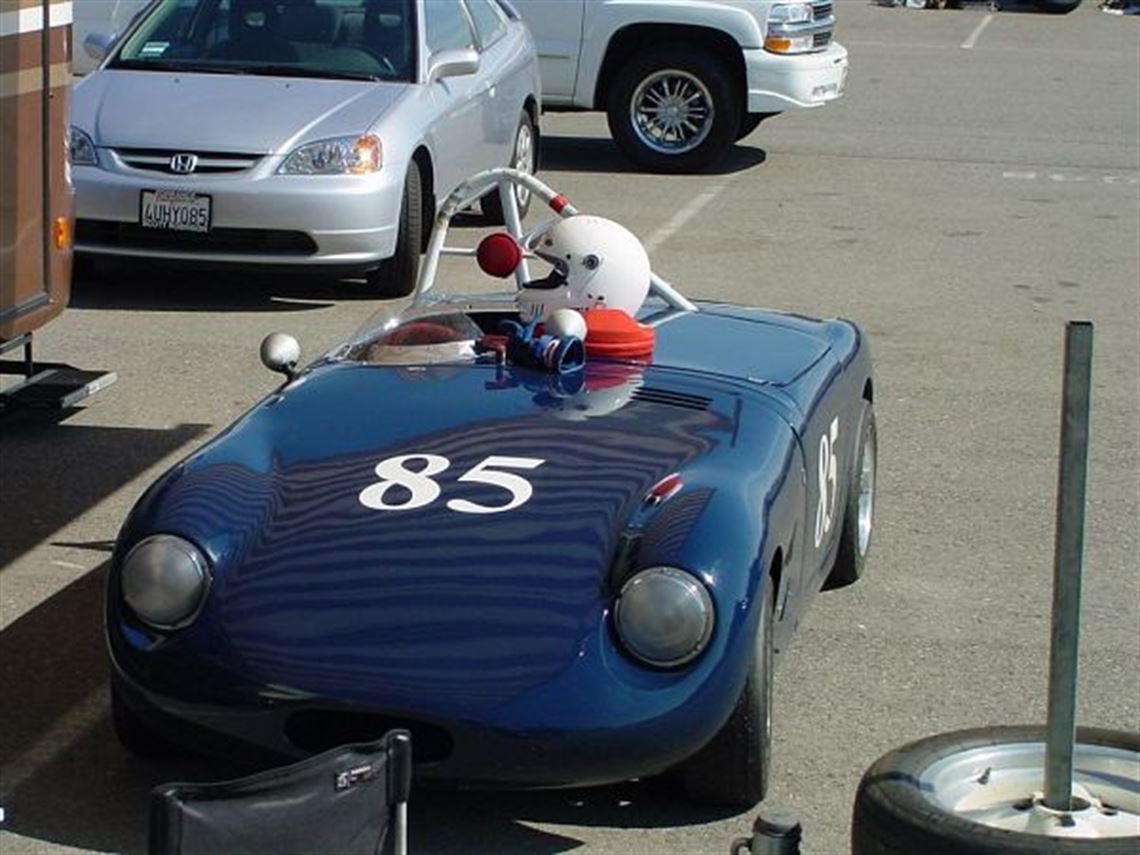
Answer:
[(452, 63), (98, 45), (280, 353)]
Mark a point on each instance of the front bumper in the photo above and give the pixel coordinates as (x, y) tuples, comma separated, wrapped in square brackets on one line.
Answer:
[(778, 82), (257, 216)]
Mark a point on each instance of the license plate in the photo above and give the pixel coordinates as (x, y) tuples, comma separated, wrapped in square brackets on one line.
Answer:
[(175, 210)]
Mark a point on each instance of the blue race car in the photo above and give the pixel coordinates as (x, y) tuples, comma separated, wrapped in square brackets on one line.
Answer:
[(557, 533)]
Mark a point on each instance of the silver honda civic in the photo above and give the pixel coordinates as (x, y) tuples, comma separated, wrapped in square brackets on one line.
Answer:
[(314, 134)]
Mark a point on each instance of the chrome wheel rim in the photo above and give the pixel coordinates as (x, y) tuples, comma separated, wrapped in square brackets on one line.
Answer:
[(1001, 786), (866, 494), (671, 112), (523, 161)]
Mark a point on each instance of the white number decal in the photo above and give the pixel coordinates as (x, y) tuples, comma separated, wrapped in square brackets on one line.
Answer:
[(420, 484), (828, 482), (517, 486), (424, 490)]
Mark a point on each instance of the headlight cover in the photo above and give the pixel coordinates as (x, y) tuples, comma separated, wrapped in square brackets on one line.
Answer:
[(664, 616), (791, 13), (355, 155), (164, 580), (80, 149)]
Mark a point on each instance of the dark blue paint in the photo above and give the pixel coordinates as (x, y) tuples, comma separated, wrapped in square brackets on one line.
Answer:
[(496, 627)]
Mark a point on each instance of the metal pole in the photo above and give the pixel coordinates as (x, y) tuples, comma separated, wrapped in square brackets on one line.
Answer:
[(1068, 548)]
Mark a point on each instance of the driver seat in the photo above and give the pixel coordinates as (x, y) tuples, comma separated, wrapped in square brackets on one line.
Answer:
[(386, 32), (253, 35)]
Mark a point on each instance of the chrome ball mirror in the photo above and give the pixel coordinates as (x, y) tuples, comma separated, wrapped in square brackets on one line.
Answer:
[(280, 352)]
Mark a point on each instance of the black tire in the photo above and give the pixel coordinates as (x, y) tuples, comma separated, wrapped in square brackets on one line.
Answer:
[(492, 204), (851, 557), (1058, 7), (892, 816), (693, 65), (396, 276), (750, 122), (134, 734), (732, 769)]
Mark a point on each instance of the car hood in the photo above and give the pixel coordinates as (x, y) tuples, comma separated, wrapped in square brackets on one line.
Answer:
[(427, 605), (224, 112)]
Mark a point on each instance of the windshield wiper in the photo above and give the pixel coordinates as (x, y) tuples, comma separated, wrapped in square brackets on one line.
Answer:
[(302, 71), (171, 65)]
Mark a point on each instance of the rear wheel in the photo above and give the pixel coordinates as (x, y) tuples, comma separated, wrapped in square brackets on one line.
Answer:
[(396, 276), (524, 158), (674, 110), (732, 770), (859, 514)]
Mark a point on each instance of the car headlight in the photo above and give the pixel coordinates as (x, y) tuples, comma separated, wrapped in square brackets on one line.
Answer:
[(790, 13), (356, 155), (664, 616), (164, 580), (80, 149)]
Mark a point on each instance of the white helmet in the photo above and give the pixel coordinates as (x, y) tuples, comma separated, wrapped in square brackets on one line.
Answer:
[(597, 263)]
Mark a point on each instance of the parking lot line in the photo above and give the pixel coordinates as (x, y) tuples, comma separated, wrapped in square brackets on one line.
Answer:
[(683, 215), (972, 39)]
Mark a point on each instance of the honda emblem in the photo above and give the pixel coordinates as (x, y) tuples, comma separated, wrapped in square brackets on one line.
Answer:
[(183, 164)]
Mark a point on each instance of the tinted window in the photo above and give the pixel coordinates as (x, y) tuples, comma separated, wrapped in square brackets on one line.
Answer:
[(488, 23), (446, 26)]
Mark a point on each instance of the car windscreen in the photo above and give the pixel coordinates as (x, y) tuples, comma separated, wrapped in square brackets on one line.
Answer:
[(349, 39)]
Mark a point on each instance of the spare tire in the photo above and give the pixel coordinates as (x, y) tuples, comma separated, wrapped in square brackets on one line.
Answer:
[(971, 793)]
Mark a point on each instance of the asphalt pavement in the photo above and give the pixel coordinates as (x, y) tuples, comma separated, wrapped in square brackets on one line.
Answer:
[(978, 186)]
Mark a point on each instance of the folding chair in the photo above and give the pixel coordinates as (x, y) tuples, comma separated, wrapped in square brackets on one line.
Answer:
[(341, 801)]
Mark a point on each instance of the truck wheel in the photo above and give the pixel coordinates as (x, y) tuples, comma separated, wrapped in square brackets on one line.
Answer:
[(524, 158), (732, 770), (396, 276), (972, 792), (673, 110), (859, 513)]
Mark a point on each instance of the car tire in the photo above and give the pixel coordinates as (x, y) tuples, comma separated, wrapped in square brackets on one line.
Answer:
[(732, 769), (396, 276), (750, 122), (897, 811), (134, 734), (859, 512), (648, 144), (524, 157), (1058, 7)]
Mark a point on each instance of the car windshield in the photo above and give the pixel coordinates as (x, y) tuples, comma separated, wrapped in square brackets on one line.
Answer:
[(339, 39)]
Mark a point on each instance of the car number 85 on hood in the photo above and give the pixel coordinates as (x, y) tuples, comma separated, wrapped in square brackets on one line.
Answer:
[(420, 489)]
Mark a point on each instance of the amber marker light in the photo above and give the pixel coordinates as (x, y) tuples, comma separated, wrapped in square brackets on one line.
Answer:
[(369, 153), (62, 233)]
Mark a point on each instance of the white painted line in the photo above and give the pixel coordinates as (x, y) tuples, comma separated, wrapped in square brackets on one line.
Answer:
[(58, 739), (973, 38), (1020, 176), (686, 213), (69, 565)]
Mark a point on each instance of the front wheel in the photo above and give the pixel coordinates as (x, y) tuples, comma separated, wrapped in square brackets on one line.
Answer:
[(859, 512), (524, 158), (396, 277), (732, 770), (976, 792), (674, 110)]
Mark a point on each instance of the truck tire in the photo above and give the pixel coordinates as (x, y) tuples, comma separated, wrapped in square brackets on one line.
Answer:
[(859, 512), (673, 110), (898, 809), (750, 122), (732, 769), (396, 276)]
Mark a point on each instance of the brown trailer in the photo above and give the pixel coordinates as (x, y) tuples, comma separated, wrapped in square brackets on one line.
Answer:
[(36, 198)]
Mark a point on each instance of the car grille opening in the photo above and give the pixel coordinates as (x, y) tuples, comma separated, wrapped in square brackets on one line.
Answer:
[(113, 235), (821, 40), (204, 162), (320, 730)]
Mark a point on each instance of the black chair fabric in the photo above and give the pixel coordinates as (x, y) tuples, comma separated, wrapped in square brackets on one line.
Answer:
[(341, 801)]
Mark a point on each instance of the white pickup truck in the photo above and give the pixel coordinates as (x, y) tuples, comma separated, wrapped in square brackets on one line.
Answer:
[(681, 80)]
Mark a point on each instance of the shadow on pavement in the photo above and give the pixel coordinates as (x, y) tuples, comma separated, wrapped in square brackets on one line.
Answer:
[(591, 154), (65, 779), (83, 465)]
